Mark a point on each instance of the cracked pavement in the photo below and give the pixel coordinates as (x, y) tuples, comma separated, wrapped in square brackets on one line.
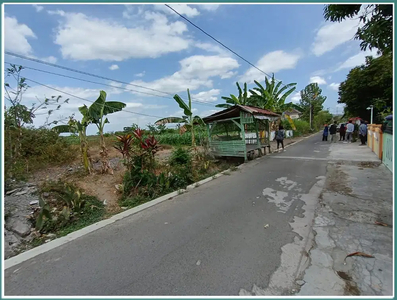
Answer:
[(353, 199)]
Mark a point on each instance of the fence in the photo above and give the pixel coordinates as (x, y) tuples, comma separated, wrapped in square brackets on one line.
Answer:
[(387, 157)]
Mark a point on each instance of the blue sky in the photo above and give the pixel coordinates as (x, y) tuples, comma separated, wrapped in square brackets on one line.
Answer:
[(151, 46)]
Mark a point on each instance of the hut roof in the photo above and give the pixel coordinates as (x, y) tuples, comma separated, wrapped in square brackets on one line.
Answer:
[(234, 112)]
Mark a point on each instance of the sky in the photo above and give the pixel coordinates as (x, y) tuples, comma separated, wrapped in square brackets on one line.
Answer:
[(151, 46)]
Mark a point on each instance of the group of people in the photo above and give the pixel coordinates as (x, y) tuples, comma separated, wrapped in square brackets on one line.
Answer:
[(345, 132)]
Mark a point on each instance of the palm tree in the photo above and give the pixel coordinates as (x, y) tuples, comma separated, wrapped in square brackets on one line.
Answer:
[(188, 119), (242, 98), (272, 97)]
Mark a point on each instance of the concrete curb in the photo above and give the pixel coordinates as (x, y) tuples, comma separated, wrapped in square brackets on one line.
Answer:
[(13, 261)]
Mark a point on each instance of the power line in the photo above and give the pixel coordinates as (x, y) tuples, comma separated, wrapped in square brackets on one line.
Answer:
[(219, 42), (100, 83), (84, 99), (82, 72)]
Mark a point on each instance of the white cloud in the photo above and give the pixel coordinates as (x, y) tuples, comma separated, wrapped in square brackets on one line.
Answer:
[(208, 7), (296, 97), (334, 86), (50, 59), (331, 35), (81, 37), (356, 60), (317, 79), (56, 12), (211, 48), (140, 74), (114, 67), (195, 72), (16, 36), (183, 9), (271, 63), (38, 8), (206, 96)]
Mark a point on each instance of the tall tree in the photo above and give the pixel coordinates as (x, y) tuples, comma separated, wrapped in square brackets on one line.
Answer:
[(271, 96), (242, 98), (311, 100), (188, 118), (377, 19), (369, 84)]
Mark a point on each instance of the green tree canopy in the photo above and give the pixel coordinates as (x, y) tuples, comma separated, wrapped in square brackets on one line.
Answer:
[(271, 96), (369, 84), (311, 97), (242, 98), (377, 19)]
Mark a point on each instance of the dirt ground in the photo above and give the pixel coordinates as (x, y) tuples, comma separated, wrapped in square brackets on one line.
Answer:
[(104, 186)]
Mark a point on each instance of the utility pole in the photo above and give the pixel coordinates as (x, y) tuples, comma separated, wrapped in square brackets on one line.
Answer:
[(371, 107)]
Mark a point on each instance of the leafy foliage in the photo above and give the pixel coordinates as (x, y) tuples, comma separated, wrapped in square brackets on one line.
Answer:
[(311, 98), (368, 84), (323, 117), (377, 31), (96, 114), (188, 119), (272, 97), (242, 98), (67, 209), (39, 148)]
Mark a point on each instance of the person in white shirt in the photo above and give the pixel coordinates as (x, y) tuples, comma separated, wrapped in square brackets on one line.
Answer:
[(349, 131)]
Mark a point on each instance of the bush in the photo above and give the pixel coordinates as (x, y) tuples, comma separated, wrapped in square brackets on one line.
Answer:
[(67, 209), (302, 127), (180, 157), (40, 148)]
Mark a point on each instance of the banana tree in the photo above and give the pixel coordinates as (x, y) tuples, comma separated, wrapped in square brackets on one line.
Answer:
[(96, 114), (75, 126), (188, 119), (242, 98), (271, 97)]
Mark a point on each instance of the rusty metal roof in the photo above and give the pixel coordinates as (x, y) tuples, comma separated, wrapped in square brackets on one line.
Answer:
[(234, 111)]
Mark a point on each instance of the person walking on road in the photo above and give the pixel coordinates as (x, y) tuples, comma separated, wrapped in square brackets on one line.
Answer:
[(325, 133), (349, 131), (363, 133), (342, 132), (280, 136), (332, 132)]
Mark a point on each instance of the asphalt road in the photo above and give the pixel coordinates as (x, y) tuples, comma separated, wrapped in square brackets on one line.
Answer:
[(209, 241)]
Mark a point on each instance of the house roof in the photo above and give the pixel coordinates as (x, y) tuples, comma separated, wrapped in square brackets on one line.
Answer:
[(234, 112), (292, 111)]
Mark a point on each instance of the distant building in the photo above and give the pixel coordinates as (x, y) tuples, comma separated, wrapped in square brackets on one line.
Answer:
[(293, 113)]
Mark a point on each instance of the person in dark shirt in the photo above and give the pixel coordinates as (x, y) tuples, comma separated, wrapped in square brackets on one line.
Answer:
[(332, 132), (342, 132), (280, 136), (325, 133)]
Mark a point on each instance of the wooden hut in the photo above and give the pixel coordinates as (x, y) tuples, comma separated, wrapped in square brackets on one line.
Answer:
[(239, 130)]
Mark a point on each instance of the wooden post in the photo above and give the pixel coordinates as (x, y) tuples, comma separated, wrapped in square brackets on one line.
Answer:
[(258, 141), (268, 135), (209, 133), (243, 136)]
